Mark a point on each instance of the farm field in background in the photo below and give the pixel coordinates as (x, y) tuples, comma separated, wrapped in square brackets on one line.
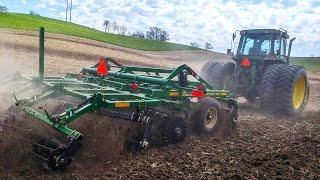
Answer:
[(311, 63), (29, 22)]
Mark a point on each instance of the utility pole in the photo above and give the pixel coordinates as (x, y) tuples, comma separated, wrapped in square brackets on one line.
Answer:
[(67, 1), (70, 9)]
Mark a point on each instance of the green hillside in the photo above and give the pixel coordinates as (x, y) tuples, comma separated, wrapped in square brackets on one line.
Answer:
[(311, 63), (28, 22)]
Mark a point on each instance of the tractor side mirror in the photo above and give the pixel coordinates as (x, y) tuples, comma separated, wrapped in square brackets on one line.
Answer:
[(233, 36)]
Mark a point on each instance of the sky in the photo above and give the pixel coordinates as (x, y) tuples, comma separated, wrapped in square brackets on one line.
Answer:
[(188, 21)]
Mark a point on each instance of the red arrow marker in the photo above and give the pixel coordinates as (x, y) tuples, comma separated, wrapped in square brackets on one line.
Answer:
[(102, 69)]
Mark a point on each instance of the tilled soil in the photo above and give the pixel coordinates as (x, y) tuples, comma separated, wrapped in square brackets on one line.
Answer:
[(263, 147)]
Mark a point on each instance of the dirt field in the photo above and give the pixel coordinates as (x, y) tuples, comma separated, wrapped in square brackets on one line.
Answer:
[(264, 147), (75, 53)]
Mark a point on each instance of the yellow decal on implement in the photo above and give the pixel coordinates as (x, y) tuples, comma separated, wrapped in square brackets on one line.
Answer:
[(217, 93), (173, 93), (210, 94), (224, 94), (122, 104)]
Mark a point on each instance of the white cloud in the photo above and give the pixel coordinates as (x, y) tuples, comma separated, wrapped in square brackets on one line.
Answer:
[(204, 20)]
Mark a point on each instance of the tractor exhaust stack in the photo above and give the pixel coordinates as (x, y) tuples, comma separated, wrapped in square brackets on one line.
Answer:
[(290, 46)]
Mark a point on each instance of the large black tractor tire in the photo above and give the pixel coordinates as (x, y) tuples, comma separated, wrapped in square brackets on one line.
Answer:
[(217, 73), (292, 90), (206, 116), (268, 87)]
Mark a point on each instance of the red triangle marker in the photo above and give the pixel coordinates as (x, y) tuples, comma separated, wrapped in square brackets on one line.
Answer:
[(102, 68)]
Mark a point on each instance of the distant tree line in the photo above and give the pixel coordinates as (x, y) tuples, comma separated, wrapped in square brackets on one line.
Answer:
[(154, 33), (138, 34), (3, 9), (114, 27), (32, 13), (194, 44), (207, 46)]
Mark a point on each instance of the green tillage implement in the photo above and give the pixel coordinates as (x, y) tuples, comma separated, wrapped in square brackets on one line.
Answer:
[(144, 90)]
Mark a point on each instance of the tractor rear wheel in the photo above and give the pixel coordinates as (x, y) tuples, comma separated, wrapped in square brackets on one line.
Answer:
[(218, 74), (206, 117), (268, 87), (292, 91)]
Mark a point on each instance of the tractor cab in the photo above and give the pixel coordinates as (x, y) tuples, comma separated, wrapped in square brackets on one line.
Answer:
[(263, 44)]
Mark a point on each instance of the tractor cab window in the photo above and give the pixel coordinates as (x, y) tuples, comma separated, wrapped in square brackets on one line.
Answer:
[(277, 47), (255, 44), (280, 47)]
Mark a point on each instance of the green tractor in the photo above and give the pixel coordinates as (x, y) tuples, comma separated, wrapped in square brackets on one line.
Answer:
[(262, 71)]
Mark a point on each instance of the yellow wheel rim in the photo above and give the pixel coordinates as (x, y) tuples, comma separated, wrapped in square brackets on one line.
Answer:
[(299, 92), (211, 117)]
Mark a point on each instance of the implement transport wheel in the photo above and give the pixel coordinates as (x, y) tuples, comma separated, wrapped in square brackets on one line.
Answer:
[(206, 117), (175, 130), (218, 74), (292, 90), (268, 88)]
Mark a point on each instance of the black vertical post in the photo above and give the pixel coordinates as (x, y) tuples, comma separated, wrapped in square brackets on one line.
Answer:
[(41, 53)]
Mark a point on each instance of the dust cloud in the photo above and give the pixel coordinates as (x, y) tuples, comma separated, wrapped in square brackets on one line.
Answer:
[(8, 69), (8, 63)]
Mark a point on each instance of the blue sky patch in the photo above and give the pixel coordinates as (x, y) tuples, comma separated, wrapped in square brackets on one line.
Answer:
[(192, 21)]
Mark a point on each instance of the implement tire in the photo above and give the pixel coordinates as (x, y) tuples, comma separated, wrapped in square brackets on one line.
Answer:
[(292, 90), (268, 88), (206, 117), (216, 73)]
